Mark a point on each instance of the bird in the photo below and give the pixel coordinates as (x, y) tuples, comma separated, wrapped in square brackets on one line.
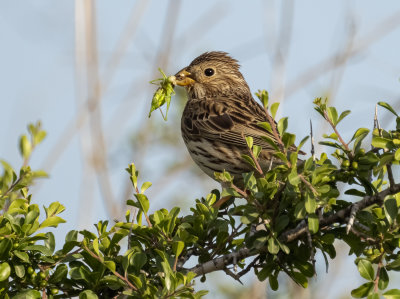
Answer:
[(219, 113)]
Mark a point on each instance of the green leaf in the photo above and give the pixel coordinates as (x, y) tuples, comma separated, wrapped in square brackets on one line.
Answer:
[(365, 269), (44, 250), (300, 279), (71, 236), (373, 296), (28, 294), (54, 209), (388, 107), (5, 271), (59, 274), (383, 279), (360, 132), (397, 155), (310, 204), (138, 260), (273, 282), (96, 246), (390, 206), (143, 201), (5, 247), (256, 150), (53, 221), (249, 141), (288, 139), (355, 192), (392, 294), (265, 125), (249, 160), (282, 125), (302, 143), (274, 108), (300, 211), (363, 290), (381, 142), (343, 115), (19, 270), (270, 142), (22, 255), (331, 144), (50, 242), (281, 223), (88, 294), (110, 265), (273, 246), (265, 272), (177, 247), (263, 96), (25, 146), (333, 115), (313, 223), (145, 186), (293, 177), (18, 206), (38, 137)]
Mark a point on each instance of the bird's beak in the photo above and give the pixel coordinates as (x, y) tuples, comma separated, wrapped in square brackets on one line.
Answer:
[(183, 78)]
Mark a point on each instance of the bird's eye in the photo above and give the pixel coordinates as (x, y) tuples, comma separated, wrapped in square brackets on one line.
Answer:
[(209, 72)]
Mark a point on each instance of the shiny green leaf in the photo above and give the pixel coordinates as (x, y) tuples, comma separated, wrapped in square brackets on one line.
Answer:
[(313, 223), (388, 107), (274, 108), (5, 271), (365, 269), (363, 290), (392, 294)]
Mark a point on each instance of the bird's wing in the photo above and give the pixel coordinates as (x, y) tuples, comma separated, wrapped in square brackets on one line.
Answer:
[(228, 120)]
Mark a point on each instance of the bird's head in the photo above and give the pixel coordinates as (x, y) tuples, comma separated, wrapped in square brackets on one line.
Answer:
[(212, 74)]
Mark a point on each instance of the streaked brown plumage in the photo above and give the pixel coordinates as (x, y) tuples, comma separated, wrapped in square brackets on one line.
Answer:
[(219, 112)]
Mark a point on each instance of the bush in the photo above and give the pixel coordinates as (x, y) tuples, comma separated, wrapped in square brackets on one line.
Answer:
[(283, 218)]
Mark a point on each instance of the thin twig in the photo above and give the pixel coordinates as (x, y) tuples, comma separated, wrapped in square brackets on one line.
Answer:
[(258, 167), (378, 273), (233, 275), (363, 236), (346, 146), (130, 285), (312, 141), (308, 184), (274, 130), (245, 196)]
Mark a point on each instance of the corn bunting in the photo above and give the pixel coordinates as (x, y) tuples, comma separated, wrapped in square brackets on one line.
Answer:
[(219, 113)]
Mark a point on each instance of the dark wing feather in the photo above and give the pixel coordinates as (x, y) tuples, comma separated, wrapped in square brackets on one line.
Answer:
[(227, 119)]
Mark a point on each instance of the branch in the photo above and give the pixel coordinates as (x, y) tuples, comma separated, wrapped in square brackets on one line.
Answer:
[(221, 262), (341, 215), (390, 176), (290, 235)]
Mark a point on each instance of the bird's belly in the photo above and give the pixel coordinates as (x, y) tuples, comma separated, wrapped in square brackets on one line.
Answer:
[(215, 156)]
